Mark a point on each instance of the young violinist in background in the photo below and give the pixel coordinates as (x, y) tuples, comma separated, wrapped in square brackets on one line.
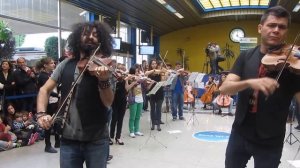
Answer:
[(134, 86), (167, 91), (177, 88), (145, 68), (156, 99), (263, 102), (85, 131), (118, 107), (223, 100), (210, 88)]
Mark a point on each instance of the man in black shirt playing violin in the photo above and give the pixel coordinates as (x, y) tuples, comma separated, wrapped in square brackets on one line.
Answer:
[(262, 109), (85, 127)]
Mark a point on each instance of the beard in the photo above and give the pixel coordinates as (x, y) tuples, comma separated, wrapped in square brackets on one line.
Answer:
[(88, 48)]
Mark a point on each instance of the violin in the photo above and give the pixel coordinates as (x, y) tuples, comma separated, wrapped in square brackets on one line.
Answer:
[(99, 60), (287, 56), (139, 79)]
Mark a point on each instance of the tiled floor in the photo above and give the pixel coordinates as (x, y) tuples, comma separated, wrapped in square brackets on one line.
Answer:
[(173, 147)]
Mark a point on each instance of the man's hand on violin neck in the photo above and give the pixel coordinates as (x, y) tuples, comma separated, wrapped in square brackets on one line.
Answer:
[(266, 85), (102, 73)]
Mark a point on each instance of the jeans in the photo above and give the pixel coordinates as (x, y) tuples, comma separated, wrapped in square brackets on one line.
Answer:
[(177, 102), (239, 151), (74, 153)]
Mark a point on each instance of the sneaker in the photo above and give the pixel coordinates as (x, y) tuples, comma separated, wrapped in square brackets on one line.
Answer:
[(181, 118), (17, 145), (50, 149), (31, 140), (174, 118), (132, 135), (139, 134), (35, 137)]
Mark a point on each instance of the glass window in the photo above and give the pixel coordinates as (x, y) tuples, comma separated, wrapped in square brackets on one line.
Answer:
[(40, 11)]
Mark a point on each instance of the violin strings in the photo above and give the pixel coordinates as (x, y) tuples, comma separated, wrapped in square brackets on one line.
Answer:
[(287, 57)]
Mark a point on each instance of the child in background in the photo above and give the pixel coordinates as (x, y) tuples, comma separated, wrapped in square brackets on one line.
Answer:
[(23, 131), (28, 120), (7, 138)]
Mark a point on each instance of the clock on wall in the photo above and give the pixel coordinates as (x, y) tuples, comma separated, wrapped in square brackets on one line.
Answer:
[(236, 34)]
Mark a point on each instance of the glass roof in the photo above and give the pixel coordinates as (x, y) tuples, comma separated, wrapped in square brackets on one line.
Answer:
[(214, 5)]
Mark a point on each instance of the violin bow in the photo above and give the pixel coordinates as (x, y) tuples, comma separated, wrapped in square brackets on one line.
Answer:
[(54, 116), (287, 57), (163, 59)]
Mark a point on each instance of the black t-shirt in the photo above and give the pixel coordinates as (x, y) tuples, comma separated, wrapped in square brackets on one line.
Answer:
[(267, 125), (120, 93), (159, 95)]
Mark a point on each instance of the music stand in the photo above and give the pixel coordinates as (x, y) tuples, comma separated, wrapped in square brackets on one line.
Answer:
[(192, 79), (153, 137), (289, 137), (205, 65)]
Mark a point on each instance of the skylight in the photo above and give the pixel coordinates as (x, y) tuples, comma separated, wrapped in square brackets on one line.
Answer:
[(214, 5), (170, 8)]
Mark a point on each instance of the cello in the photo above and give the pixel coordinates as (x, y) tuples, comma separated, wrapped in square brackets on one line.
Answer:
[(223, 100), (188, 95), (210, 88)]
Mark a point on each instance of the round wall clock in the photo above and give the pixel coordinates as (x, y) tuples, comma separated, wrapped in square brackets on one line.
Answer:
[(236, 34)]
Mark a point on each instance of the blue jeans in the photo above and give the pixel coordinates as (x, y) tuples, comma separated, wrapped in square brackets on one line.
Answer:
[(74, 153), (177, 103), (239, 151)]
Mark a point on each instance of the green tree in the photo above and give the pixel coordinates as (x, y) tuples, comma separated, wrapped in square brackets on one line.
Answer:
[(51, 47), (19, 39), (7, 41)]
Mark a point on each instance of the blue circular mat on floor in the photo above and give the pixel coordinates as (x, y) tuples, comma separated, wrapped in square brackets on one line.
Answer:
[(212, 136)]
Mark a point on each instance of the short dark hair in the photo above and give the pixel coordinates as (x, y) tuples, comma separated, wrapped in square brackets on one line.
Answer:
[(277, 11)]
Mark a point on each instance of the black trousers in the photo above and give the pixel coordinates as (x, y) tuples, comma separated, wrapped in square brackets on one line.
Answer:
[(51, 109), (118, 112)]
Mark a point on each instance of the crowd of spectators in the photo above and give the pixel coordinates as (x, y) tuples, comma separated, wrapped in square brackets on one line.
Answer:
[(18, 90)]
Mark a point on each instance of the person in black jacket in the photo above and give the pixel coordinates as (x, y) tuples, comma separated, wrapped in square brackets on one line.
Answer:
[(25, 79), (45, 68), (7, 83), (263, 102)]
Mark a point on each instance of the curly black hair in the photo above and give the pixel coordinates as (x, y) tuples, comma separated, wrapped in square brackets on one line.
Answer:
[(103, 34)]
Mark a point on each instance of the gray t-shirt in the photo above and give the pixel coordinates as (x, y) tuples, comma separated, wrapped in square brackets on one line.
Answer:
[(72, 130)]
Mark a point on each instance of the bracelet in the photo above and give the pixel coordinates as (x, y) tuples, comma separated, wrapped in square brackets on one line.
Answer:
[(104, 84), (40, 114)]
